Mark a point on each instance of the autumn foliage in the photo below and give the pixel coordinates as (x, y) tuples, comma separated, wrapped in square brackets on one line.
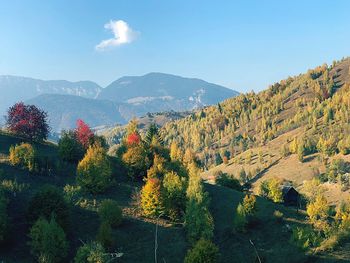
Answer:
[(84, 133), (27, 121), (133, 139)]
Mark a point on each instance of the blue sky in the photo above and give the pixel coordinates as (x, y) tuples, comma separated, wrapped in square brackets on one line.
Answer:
[(243, 45)]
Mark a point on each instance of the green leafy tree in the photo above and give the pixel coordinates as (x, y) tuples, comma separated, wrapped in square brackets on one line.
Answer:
[(47, 202), (137, 161), (240, 219), (48, 241), (94, 171), (204, 251), (174, 195), (198, 220), (69, 147)]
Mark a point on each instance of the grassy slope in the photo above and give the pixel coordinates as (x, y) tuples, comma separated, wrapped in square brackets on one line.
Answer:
[(271, 238), (135, 237)]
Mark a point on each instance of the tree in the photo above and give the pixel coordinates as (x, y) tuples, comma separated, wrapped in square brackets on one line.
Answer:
[(204, 251), (137, 161), (84, 133), (243, 176), (94, 170), (318, 211), (153, 133), (271, 188), (240, 219), (175, 152), (48, 241), (69, 147), (110, 212), (151, 198), (23, 155), (27, 121), (133, 139), (91, 253), (301, 152), (174, 194), (48, 202), (249, 205), (198, 220)]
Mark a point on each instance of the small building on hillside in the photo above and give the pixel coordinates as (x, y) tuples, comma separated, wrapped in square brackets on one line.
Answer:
[(290, 195)]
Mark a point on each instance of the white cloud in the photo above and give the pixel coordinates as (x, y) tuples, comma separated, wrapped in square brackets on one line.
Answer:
[(123, 34)]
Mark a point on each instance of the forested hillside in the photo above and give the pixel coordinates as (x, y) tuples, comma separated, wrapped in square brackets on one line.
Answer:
[(318, 101)]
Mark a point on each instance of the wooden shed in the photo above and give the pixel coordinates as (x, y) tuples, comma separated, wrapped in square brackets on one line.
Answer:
[(290, 195)]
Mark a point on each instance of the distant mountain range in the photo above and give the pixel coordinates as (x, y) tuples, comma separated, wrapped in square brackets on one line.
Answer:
[(123, 99)]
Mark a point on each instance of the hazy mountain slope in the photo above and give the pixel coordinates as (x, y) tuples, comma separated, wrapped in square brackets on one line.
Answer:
[(14, 89), (165, 92), (64, 110)]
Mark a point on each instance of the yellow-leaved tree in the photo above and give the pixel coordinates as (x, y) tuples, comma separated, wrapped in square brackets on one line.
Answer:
[(94, 171)]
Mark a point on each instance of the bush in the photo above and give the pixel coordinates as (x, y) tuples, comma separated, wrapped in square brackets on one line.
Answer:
[(110, 212), (48, 241), (204, 251), (91, 253), (3, 216), (224, 179), (69, 148), (151, 198), (174, 195), (104, 235), (23, 155), (94, 171), (305, 237), (47, 202)]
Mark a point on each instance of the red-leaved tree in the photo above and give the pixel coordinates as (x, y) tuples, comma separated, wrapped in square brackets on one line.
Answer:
[(133, 139), (27, 121), (84, 133)]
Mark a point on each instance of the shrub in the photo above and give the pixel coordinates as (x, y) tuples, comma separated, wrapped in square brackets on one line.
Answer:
[(305, 237), (174, 194), (204, 251), (110, 212), (224, 179), (94, 171), (3, 216), (23, 155), (47, 202), (104, 235), (151, 198), (91, 253), (69, 148), (48, 241)]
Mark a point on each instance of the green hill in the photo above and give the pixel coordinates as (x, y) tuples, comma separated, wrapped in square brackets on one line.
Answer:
[(135, 237)]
